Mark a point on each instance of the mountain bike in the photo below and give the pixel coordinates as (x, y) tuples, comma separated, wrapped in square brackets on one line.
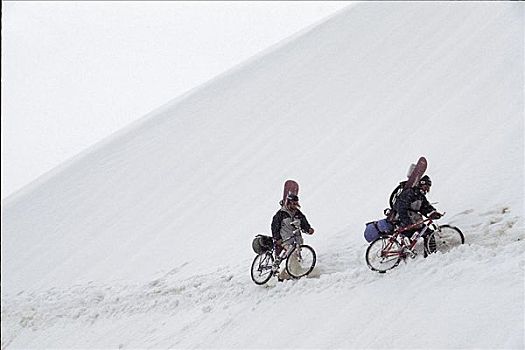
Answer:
[(299, 259), (387, 251)]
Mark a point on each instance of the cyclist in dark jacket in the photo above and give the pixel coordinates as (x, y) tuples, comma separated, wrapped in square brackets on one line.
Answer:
[(282, 228), (412, 204)]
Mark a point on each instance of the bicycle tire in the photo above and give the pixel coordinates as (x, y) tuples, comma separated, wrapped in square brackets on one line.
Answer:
[(304, 265), (446, 237), (375, 258), (261, 270)]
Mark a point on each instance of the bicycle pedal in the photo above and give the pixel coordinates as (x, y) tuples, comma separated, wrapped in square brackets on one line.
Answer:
[(407, 253)]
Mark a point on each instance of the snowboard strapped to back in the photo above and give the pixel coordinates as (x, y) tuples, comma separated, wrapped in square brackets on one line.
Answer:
[(415, 175), (374, 229), (415, 172), (290, 187)]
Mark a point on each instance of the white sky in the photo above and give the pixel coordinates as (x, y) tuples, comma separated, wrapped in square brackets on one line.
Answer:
[(74, 72)]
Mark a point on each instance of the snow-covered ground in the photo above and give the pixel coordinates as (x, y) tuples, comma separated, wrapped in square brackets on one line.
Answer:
[(144, 241)]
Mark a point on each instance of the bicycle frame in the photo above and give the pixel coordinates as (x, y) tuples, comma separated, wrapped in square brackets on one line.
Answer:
[(294, 244), (285, 253), (388, 252)]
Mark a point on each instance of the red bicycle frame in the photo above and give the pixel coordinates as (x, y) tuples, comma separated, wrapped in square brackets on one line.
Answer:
[(388, 252)]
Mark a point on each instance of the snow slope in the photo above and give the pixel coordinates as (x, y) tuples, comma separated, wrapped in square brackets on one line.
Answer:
[(144, 240)]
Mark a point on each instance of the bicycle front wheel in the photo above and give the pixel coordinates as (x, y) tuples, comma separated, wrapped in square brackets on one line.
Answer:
[(383, 254), (301, 261), (444, 239), (262, 268)]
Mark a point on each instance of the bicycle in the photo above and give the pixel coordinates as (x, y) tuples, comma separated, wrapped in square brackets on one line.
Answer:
[(299, 259), (387, 251)]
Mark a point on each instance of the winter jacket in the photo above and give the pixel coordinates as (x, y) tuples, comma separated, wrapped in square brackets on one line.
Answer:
[(282, 223), (410, 204)]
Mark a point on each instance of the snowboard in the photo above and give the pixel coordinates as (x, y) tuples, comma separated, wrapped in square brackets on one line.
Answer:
[(290, 187), (416, 173)]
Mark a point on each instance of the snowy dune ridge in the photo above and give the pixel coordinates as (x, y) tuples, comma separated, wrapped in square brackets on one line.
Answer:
[(144, 240)]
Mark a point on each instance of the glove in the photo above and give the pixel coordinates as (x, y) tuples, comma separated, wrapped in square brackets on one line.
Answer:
[(311, 231), (435, 215)]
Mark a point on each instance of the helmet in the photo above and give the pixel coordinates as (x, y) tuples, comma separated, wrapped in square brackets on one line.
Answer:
[(425, 180)]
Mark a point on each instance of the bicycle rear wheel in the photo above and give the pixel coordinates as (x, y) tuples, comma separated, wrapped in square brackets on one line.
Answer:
[(444, 239), (261, 271), (301, 261), (383, 254)]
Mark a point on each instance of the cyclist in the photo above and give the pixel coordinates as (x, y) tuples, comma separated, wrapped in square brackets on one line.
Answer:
[(412, 204), (282, 228)]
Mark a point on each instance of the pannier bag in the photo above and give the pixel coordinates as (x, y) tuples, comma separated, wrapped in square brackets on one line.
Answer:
[(261, 244), (375, 228)]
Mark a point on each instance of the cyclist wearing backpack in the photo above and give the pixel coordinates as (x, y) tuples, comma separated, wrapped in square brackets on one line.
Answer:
[(412, 204), (282, 228)]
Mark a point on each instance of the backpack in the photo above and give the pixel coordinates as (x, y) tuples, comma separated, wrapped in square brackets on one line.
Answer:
[(261, 244), (395, 194)]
